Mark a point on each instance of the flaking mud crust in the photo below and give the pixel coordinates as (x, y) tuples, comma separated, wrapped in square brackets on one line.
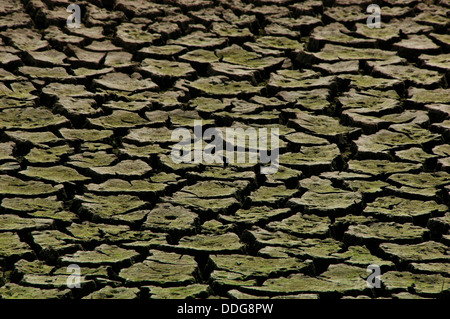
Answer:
[(86, 175)]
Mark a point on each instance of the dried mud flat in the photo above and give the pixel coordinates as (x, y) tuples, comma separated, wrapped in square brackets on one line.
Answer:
[(86, 176)]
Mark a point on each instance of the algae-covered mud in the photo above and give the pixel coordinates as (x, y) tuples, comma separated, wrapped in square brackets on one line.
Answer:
[(94, 206)]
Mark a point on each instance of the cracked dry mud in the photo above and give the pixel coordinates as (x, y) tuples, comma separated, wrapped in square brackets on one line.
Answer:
[(86, 175)]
